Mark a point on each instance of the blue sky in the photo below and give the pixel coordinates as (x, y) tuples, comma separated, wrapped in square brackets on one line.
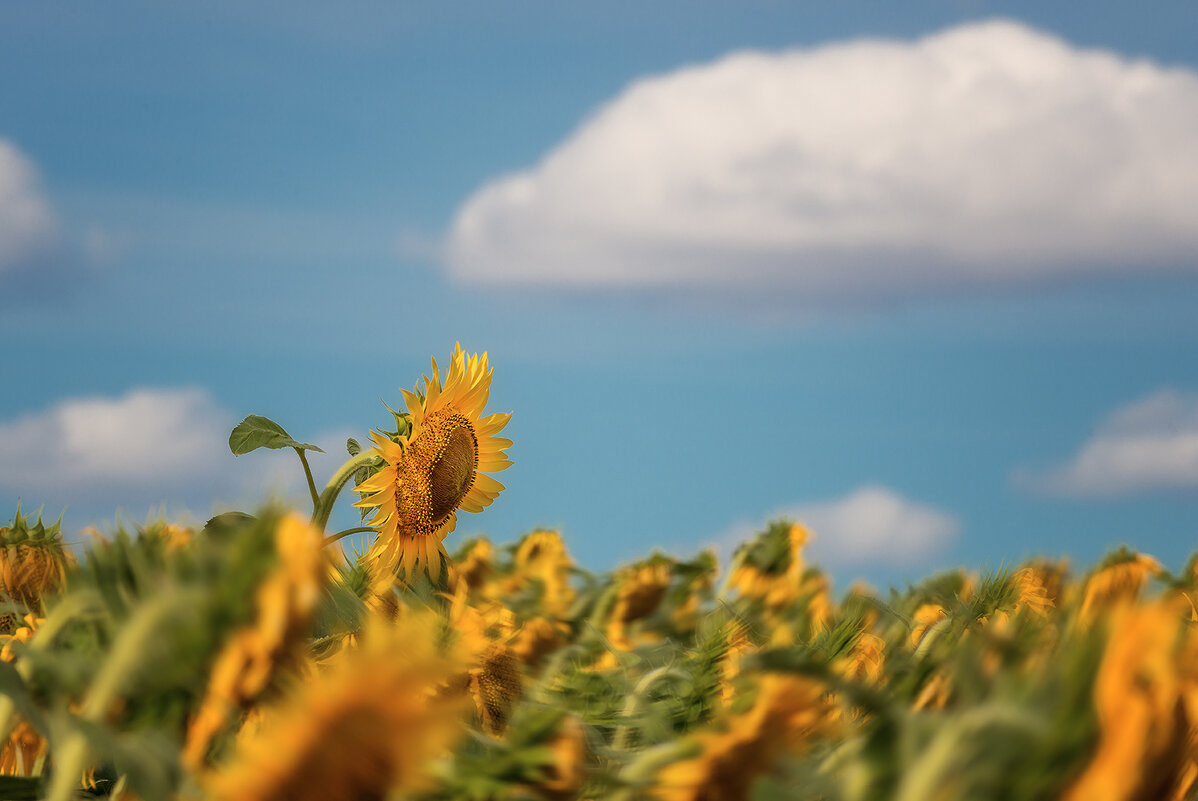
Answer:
[(922, 276)]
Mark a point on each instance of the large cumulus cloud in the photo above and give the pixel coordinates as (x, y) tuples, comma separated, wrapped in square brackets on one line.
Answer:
[(986, 154)]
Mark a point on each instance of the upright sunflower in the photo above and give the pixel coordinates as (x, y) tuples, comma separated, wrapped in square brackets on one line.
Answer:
[(437, 467)]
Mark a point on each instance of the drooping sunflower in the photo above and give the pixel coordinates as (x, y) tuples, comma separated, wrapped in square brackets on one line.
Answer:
[(790, 713), (366, 727), (437, 467)]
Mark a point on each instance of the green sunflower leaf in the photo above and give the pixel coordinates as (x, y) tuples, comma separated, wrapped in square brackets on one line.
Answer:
[(256, 432)]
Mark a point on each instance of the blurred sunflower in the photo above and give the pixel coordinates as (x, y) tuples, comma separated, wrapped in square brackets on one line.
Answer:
[(437, 467), (790, 712), (366, 727), (248, 663), (1118, 581)]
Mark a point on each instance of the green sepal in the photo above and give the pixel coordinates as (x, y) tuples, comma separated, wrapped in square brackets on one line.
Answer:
[(256, 432)]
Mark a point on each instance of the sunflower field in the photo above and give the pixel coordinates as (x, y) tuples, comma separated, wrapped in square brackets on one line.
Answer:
[(256, 658)]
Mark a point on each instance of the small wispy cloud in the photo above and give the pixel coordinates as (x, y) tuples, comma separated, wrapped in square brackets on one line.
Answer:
[(146, 447), (1149, 444), (987, 154), (872, 525), (28, 226)]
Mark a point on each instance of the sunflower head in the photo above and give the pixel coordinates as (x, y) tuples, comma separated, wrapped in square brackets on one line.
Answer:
[(1118, 581), (284, 603), (787, 715), (33, 560), (771, 567), (542, 557), (366, 727), (437, 465)]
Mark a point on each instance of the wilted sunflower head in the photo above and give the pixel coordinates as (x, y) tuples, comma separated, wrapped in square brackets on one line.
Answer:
[(788, 713), (1118, 581), (473, 564), (284, 602), (771, 566), (364, 728), (33, 560), (542, 556), (437, 467), (641, 590), (1143, 697)]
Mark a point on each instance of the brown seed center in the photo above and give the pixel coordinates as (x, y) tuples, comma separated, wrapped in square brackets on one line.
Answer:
[(453, 472)]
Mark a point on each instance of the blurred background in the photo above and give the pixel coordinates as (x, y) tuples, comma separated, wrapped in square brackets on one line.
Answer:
[(922, 276)]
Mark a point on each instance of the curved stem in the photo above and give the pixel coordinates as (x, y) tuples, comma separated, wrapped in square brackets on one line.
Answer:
[(329, 540), (324, 504), (311, 483), (119, 669), (636, 701), (69, 610), (734, 564)]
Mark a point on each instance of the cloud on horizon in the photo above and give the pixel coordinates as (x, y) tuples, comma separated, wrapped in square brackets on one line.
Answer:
[(146, 447), (1148, 445), (987, 154), (872, 525)]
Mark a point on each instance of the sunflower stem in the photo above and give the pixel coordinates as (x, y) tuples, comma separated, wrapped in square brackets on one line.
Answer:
[(329, 540), (311, 483), (72, 607), (120, 669), (324, 504), (737, 560), (640, 695)]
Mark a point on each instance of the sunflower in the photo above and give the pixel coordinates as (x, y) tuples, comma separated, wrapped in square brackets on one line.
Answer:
[(365, 727), (1148, 747), (247, 665), (437, 467), (1119, 581), (790, 712)]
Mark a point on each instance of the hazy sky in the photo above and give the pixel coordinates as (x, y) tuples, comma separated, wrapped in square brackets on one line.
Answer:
[(923, 275)]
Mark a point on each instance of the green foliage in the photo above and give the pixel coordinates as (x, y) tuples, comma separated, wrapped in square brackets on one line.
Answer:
[(256, 432)]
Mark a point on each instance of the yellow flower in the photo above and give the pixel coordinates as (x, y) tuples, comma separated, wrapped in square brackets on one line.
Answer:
[(780, 581), (935, 694), (438, 467), (284, 603), (565, 773), (925, 617), (736, 645), (1034, 591), (22, 751), (538, 638), (1118, 582), (639, 594), (819, 605), (542, 556), (495, 686), (475, 566), (493, 676), (789, 712), (366, 727), (865, 659), (21, 635), (1147, 746)]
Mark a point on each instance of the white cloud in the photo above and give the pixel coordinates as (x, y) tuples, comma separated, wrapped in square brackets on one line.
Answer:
[(988, 153), (27, 224), (1151, 444), (871, 525), (147, 447)]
